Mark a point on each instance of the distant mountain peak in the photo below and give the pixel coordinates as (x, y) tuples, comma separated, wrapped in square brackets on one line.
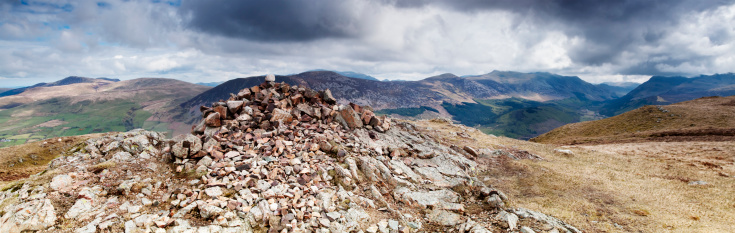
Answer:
[(443, 76), (350, 74)]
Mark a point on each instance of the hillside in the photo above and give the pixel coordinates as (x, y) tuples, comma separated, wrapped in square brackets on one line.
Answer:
[(450, 96), (293, 164), (703, 119), (66, 81), (667, 90), (76, 108), (271, 158), (543, 86)]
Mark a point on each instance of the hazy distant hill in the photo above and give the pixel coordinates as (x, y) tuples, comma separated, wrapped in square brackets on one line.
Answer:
[(666, 90), (65, 81), (75, 106), (541, 101), (543, 86), (619, 88), (703, 119), (210, 84), (350, 74)]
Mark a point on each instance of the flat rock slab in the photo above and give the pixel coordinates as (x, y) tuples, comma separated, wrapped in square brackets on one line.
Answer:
[(431, 198), (445, 218), (35, 215)]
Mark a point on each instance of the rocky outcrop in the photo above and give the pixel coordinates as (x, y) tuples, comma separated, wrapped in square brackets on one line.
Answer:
[(273, 158)]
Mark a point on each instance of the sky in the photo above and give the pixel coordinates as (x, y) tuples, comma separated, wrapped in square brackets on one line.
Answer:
[(217, 40)]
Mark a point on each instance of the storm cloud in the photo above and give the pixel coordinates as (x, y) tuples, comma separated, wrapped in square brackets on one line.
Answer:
[(275, 20), (393, 39)]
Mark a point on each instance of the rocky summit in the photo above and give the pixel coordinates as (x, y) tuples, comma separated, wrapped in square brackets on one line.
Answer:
[(271, 158)]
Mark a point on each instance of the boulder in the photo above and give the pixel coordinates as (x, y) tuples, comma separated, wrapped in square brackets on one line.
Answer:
[(350, 118), (213, 120), (61, 182), (35, 215), (327, 97), (186, 145), (444, 218), (507, 220), (270, 78)]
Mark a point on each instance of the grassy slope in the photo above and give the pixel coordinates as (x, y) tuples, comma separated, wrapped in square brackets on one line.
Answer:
[(140, 103), (79, 118), (649, 122), (410, 112), (521, 118), (617, 188), (21, 161)]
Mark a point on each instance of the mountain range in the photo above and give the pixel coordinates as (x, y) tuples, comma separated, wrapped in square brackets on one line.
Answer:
[(514, 104), (75, 106), (491, 101), (660, 90)]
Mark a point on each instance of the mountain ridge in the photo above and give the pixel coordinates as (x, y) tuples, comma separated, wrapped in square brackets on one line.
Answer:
[(65, 81), (660, 90)]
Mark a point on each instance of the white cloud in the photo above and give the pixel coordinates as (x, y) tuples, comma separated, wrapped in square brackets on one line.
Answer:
[(131, 39)]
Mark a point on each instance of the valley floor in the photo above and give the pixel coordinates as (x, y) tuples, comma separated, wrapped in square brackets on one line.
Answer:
[(628, 187)]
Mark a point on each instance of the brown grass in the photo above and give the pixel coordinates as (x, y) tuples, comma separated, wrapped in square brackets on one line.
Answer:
[(21, 161), (704, 119), (634, 187)]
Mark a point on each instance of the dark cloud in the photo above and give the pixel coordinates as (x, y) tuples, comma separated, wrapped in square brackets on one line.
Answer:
[(609, 27), (274, 20)]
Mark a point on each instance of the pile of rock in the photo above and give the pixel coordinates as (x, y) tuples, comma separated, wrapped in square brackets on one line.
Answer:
[(274, 158)]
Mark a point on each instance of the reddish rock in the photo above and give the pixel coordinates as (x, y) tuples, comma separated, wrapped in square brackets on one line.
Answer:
[(367, 116), (244, 94), (234, 106), (349, 117), (213, 120), (283, 115), (222, 110)]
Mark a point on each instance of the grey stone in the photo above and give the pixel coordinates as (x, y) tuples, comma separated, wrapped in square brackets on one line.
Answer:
[(270, 78), (428, 199), (205, 161), (327, 96), (91, 227), (333, 216), (356, 214), (208, 211), (213, 191), (122, 156), (508, 220), (393, 224), (437, 178), (34, 215), (186, 145), (495, 201), (60, 182), (130, 227), (443, 217), (698, 182), (527, 230), (79, 209), (554, 222)]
